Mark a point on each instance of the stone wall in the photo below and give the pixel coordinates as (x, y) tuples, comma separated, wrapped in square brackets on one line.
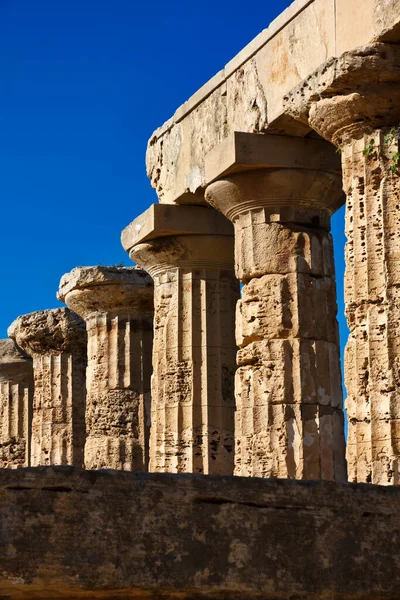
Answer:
[(109, 534)]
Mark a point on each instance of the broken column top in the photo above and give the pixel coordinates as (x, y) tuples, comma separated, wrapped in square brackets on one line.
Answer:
[(15, 364), (49, 332), (96, 289)]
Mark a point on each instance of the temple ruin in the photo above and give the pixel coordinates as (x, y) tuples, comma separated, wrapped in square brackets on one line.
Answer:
[(184, 416)]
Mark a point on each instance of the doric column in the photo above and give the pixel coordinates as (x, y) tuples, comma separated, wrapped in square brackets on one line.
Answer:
[(56, 340), (289, 419), (188, 250), (362, 119), (16, 390), (117, 305)]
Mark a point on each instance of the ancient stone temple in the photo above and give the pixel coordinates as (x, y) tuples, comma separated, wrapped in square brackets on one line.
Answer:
[(185, 415)]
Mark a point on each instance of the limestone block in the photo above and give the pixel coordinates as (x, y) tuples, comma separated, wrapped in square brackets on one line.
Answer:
[(56, 340), (353, 24), (290, 442), (296, 51), (161, 220), (309, 376), (296, 305), (117, 305), (16, 390), (242, 151), (113, 534)]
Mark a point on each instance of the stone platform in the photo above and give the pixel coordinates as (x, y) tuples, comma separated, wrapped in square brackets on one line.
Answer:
[(69, 533)]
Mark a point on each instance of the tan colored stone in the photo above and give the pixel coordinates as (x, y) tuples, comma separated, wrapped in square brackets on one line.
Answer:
[(289, 420), (117, 305), (194, 347), (248, 95), (357, 115), (108, 535), (296, 51), (248, 151), (56, 340), (353, 24), (294, 305), (16, 391)]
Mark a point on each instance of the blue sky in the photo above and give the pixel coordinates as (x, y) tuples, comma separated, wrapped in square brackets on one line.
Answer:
[(83, 85)]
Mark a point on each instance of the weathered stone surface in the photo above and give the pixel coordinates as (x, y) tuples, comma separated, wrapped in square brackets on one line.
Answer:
[(248, 95), (115, 535), (56, 340), (117, 305), (16, 390), (248, 151), (357, 113), (288, 420), (195, 292)]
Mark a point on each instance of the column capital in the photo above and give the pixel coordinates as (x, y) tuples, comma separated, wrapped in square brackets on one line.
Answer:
[(15, 364), (291, 178), (93, 290), (354, 94), (253, 151), (49, 332), (192, 237)]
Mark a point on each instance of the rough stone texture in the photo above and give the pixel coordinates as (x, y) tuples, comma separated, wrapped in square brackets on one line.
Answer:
[(289, 420), (56, 340), (372, 308), (195, 291), (117, 305), (67, 533), (16, 390), (248, 94), (356, 113)]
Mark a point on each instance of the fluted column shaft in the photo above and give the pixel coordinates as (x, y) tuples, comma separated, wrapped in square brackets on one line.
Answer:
[(195, 292), (289, 419), (364, 124), (373, 309), (16, 391), (58, 415), (117, 304), (56, 340)]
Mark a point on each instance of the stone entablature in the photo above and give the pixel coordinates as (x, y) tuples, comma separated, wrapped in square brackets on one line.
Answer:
[(248, 94), (16, 391)]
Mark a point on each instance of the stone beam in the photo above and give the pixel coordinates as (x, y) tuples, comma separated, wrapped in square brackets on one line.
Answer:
[(16, 391), (190, 258), (112, 534), (289, 419), (117, 305), (248, 94), (56, 340), (361, 115)]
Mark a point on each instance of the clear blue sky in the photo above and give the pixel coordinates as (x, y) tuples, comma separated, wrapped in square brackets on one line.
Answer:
[(83, 84)]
